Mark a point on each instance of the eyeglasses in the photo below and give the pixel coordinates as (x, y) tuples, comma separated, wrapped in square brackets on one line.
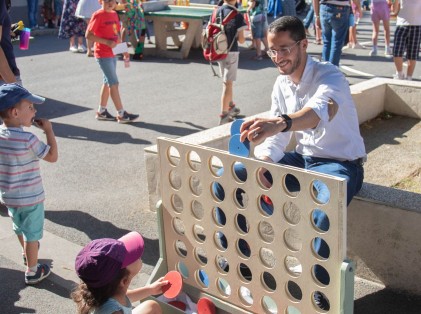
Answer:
[(283, 52)]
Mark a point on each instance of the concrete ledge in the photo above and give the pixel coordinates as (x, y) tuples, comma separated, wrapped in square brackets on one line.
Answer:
[(383, 222)]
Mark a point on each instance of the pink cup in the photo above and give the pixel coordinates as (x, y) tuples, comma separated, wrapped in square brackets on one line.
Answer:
[(24, 39)]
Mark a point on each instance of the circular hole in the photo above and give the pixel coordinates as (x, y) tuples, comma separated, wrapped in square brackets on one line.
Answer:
[(264, 178), (202, 278), (239, 172), (321, 275), (181, 248), (243, 248), (221, 241), (291, 185), (194, 160), (218, 191), (292, 213), (242, 224), (201, 256), (240, 198), (216, 166), (245, 295), (320, 248), (321, 302), (293, 240), (224, 287), (178, 225), (182, 269), (294, 291), (267, 257), (175, 179), (173, 156), (266, 205), (199, 233), (320, 220), (196, 185), (177, 203), (245, 272), (269, 281), (197, 209), (219, 216), (222, 263), (292, 310), (293, 266), (320, 192), (266, 232), (269, 305)]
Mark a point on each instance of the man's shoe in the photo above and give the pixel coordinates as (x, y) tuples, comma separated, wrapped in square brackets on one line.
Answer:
[(233, 111), (43, 271), (104, 116), (127, 117)]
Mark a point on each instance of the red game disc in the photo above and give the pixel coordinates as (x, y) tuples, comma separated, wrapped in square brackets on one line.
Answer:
[(178, 304), (174, 286), (205, 306)]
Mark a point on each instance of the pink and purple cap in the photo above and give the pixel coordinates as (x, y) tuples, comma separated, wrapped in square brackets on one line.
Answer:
[(101, 260)]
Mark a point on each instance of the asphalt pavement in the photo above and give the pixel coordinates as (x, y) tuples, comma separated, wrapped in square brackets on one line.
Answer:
[(98, 186)]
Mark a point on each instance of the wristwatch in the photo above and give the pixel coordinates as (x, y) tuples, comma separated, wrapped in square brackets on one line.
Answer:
[(288, 121)]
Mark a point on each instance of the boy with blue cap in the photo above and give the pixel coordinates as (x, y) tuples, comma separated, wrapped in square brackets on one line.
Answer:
[(20, 179)]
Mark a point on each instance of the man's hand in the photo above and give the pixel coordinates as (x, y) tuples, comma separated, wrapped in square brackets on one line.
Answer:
[(258, 129)]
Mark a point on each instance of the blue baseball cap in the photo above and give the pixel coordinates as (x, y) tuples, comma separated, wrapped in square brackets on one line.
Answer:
[(11, 94)]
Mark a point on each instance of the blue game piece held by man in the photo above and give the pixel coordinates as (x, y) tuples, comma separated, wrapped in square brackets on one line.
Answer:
[(235, 146)]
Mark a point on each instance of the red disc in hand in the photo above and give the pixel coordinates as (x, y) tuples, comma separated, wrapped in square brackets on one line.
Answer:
[(205, 306), (174, 286)]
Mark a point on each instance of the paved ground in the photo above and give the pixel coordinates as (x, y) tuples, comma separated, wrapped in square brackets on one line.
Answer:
[(98, 187)]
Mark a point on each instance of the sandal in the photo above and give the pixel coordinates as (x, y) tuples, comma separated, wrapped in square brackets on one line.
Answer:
[(318, 41)]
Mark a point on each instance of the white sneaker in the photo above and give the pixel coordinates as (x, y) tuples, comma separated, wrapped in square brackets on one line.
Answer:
[(373, 53), (357, 46), (388, 52), (396, 76), (82, 49), (73, 49)]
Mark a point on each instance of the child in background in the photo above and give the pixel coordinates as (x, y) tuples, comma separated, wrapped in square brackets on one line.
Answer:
[(84, 10), (106, 267), (380, 11), (257, 16), (21, 186), (354, 18), (134, 26), (72, 27), (104, 30)]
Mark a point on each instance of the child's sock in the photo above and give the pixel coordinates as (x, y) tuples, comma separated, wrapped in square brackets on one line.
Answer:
[(121, 112), (409, 78), (32, 269), (101, 109)]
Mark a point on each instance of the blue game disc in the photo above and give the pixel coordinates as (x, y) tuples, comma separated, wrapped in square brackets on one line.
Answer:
[(235, 126), (236, 147)]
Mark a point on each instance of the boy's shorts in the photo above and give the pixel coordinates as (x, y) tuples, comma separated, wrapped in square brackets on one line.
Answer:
[(228, 67), (407, 38), (108, 67), (28, 221), (380, 12)]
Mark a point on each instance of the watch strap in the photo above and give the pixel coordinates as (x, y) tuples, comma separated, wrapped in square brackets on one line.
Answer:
[(288, 121)]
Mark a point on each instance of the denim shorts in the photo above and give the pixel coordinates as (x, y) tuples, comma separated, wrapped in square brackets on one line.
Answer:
[(108, 67), (28, 221), (258, 26)]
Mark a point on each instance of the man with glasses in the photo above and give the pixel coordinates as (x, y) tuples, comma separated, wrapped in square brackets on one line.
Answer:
[(332, 16), (312, 99)]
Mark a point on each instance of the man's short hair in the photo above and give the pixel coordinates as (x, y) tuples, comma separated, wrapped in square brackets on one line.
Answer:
[(291, 24)]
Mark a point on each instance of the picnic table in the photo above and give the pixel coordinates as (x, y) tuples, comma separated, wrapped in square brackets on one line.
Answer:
[(164, 27)]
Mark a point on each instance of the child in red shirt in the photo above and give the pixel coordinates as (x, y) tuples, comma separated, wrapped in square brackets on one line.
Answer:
[(104, 30)]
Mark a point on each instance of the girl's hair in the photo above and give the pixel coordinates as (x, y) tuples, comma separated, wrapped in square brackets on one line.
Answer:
[(88, 298)]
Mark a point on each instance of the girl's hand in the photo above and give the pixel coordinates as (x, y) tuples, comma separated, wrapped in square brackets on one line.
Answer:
[(156, 287)]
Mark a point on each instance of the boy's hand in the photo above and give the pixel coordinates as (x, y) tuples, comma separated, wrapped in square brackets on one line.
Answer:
[(111, 43), (43, 124), (156, 287)]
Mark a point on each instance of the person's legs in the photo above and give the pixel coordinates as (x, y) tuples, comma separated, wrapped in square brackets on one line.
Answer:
[(414, 40), (374, 37), (340, 23), (147, 307), (309, 19), (227, 94), (399, 46), (32, 12), (104, 95), (386, 27), (325, 21)]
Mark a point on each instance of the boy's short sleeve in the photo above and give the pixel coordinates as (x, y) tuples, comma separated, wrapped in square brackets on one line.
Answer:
[(40, 149)]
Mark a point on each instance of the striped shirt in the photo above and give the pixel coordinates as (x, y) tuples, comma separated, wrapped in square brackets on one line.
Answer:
[(20, 176)]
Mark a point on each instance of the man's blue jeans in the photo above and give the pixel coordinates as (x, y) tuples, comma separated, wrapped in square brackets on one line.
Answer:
[(32, 13), (309, 17), (335, 22), (352, 171)]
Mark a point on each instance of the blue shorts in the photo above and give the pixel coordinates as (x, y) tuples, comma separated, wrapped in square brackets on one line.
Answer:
[(258, 26), (28, 221), (109, 70)]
